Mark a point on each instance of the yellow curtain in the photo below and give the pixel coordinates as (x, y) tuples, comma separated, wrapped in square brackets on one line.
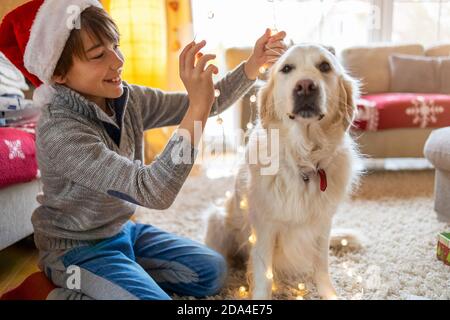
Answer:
[(152, 34)]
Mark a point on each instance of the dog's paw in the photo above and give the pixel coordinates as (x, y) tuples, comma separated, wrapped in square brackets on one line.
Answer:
[(332, 297), (261, 296), (329, 295), (327, 292)]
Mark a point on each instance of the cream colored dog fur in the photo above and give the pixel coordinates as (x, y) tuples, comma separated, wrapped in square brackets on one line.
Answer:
[(279, 221)]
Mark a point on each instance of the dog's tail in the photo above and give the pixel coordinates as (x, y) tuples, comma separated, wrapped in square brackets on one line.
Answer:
[(216, 236), (341, 238)]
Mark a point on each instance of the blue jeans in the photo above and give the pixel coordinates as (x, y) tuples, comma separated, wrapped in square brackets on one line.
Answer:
[(141, 262)]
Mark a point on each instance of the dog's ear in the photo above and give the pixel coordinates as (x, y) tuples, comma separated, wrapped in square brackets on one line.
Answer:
[(330, 49), (291, 43), (347, 100), (266, 103)]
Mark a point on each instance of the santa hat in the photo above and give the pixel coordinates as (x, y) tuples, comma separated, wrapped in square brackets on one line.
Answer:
[(33, 36)]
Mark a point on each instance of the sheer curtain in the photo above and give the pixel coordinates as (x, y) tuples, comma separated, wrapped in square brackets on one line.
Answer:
[(340, 23), (426, 22), (238, 23)]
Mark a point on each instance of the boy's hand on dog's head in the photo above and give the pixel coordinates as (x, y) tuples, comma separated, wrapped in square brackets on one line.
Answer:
[(196, 77), (268, 49)]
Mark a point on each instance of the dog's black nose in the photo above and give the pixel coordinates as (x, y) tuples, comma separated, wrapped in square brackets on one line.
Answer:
[(306, 98), (305, 87)]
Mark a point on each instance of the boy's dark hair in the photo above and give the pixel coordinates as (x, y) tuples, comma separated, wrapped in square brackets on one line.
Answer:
[(99, 25)]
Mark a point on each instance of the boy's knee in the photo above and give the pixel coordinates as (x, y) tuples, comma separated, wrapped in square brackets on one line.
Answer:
[(154, 295), (216, 276)]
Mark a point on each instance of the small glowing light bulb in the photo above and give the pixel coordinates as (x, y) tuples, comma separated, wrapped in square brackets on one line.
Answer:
[(273, 31), (274, 287), (217, 93), (242, 292), (301, 286), (262, 70), (252, 239), (253, 98), (249, 126), (243, 204), (269, 274), (344, 242)]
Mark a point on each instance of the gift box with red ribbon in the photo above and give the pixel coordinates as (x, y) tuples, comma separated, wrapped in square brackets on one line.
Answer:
[(443, 247)]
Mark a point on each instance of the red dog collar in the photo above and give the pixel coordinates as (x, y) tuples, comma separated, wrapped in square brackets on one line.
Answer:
[(322, 176), (323, 180)]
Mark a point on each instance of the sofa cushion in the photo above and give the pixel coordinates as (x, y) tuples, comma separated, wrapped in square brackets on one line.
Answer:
[(445, 76), (17, 205), (438, 51), (437, 149), (417, 74), (402, 110), (371, 64), (234, 56)]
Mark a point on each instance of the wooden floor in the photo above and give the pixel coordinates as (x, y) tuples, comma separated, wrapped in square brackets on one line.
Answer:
[(16, 263)]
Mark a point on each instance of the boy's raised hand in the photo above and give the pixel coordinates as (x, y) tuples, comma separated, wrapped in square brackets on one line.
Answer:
[(268, 49), (198, 80)]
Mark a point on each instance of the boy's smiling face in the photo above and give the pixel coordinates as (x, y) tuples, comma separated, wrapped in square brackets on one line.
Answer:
[(98, 75), (91, 62)]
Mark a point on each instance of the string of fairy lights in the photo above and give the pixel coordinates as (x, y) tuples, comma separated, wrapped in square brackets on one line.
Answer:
[(253, 97), (300, 291)]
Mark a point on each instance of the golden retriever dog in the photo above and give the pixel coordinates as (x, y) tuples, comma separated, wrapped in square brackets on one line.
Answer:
[(279, 221)]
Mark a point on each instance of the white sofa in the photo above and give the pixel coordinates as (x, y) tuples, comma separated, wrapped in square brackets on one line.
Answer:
[(17, 203), (437, 150), (370, 64)]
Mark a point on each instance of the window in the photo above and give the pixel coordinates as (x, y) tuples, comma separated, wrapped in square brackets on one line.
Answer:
[(426, 22), (238, 23), (339, 23)]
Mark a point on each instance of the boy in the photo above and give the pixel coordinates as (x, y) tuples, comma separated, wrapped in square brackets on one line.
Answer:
[(89, 148)]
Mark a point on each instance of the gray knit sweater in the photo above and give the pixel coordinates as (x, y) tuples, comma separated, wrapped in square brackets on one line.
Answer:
[(91, 184)]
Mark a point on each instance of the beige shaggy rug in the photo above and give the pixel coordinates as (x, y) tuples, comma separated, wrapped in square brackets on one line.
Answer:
[(393, 209)]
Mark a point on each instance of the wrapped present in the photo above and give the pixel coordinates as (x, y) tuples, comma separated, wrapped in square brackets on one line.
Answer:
[(443, 247)]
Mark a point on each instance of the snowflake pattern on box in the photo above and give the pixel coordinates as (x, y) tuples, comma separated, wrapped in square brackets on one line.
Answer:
[(424, 112), (368, 112), (15, 149)]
